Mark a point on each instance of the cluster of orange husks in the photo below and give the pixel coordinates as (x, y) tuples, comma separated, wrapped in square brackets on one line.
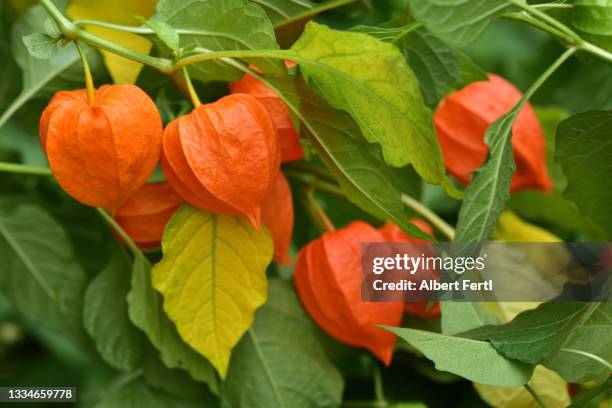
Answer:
[(224, 157)]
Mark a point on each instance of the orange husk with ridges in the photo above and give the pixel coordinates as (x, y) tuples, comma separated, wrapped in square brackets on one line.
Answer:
[(289, 140), (462, 119), (144, 215), (393, 233), (103, 153), (223, 157), (277, 216), (328, 281)]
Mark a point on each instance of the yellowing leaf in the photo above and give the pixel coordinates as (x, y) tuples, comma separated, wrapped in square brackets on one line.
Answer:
[(213, 278), (511, 228), (121, 69), (548, 384)]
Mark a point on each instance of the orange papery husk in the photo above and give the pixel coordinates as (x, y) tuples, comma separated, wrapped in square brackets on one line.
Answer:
[(291, 148), (277, 216), (393, 233), (144, 215), (103, 153), (223, 157), (328, 280), (462, 119)]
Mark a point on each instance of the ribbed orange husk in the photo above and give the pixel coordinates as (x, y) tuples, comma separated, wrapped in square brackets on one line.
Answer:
[(144, 215), (277, 216), (328, 281), (223, 157), (291, 148), (461, 122), (393, 233), (102, 154)]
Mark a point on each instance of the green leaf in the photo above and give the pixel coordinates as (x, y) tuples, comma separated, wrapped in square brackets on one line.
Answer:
[(540, 335), (213, 278), (457, 22), (469, 71), (549, 118), (358, 74), (164, 31), (40, 275), (434, 63), (219, 25), (137, 394), (41, 46), (487, 194), (43, 77), (14, 138), (472, 359), (593, 18), (552, 210), (357, 166), (584, 151), (459, 317), (280, 359), (146, 312), (282, 11), (105, 315)]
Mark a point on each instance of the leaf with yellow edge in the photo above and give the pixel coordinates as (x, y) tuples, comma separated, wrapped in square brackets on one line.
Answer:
[(121, 69), (213, 278), (548, 384)]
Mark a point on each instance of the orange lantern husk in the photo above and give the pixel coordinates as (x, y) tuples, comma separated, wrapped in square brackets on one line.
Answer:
[(223, 157), (291, 148), (277, 216), (103, 153), (462, 119), (328, 281), (393, 233), (144, 215)]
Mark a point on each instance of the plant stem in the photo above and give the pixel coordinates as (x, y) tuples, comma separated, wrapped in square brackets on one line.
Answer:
[(192, 92), (89, 84), (548, 6), (316, 212), (23, 169), (527, 18), (522, 4), (430, 216), (126, 238), (535, 395), (545, 75), (409, 28), (315, 10), (336, 191), (379, 391), (72, 32)]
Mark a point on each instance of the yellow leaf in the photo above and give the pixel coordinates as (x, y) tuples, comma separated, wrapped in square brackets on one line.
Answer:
[(213, 278), (548, 384), (511, 228), (121, 69)]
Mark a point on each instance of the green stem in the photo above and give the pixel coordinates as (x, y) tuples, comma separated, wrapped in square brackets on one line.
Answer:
[(409, 28), (430, 216), (190, 89), (329, 5), (522, 4), (23, 169), (89, 84), (527, 18), (126, 238), (379, 391), (335, 191), (315, 211), (72, 32), (549, 6), (545, 75), (535, 396)]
